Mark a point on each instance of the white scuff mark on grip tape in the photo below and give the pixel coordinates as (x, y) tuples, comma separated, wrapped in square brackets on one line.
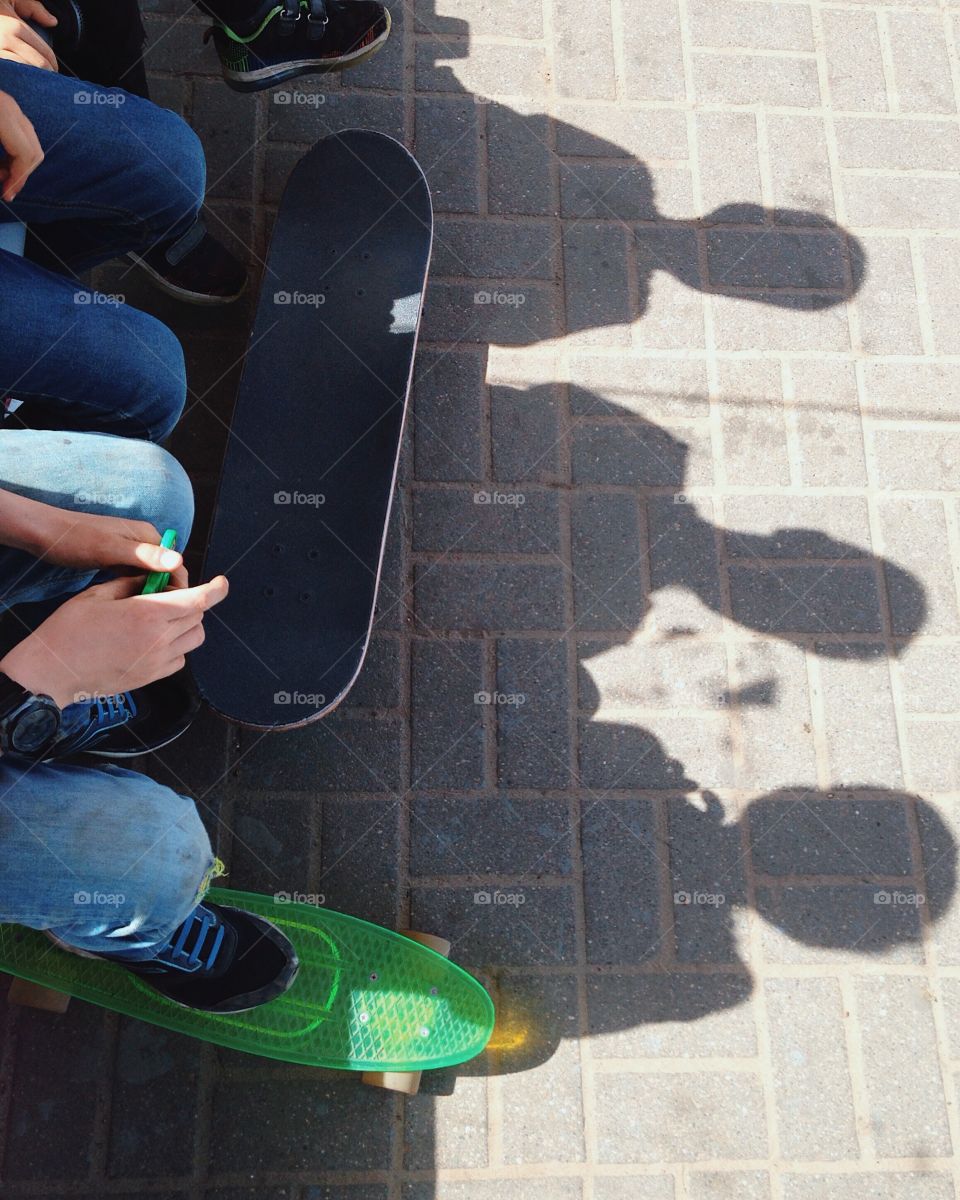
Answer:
[(404, 314)]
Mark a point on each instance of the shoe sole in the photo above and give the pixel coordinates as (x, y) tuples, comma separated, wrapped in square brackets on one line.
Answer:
[(80, 752), (203, 299), (268, 77)]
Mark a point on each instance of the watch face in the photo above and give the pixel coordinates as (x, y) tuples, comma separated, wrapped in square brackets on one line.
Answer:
[(35, 727)]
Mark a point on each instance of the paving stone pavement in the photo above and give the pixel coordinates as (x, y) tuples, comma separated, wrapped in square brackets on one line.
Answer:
[(661, 720)]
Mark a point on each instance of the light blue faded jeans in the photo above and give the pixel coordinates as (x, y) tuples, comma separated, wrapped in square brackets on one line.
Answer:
[(107, 859)]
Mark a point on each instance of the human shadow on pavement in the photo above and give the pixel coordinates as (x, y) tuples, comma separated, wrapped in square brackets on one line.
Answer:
[(796, 583), (670, 872), (614, 237), (668, 897)]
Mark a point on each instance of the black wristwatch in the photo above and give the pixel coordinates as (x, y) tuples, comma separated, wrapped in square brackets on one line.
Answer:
[(29, 724)]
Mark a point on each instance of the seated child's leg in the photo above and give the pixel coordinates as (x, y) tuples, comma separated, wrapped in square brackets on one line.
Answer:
[(86, 472), (83, 361), (107, 859), (120, 173)]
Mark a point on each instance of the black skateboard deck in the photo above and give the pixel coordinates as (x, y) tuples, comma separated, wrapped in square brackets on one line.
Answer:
[(309, 473)]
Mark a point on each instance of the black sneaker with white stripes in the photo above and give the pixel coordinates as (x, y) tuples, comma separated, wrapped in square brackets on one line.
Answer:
[(299, 37)]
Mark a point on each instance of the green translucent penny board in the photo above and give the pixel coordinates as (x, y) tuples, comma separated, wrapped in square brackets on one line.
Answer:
[(366, 999)]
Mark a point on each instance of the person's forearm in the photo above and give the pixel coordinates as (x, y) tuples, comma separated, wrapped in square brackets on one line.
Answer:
[(26, 524)]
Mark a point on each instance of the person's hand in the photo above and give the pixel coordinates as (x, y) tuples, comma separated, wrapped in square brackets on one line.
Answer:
[(31, 10), (111, 639), (19, 139), (21, 43), (87, 541)]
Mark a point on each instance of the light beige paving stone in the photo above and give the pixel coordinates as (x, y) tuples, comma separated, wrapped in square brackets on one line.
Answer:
[(672, 1015), (930, 675), (660, 674), (898, 1040), (617, 749), (920, 63), (950, 991), (854, 60), (756, 79), (827, 422), (811, 1078), (892, 1185), (939, 824), (543, 1188), (918, 460), (749, 26), (797, 526), (800, 166), (934, 748), (774, 715), (887, 304), (648, 387), (636, 1187), (941, 264), (861, 730), (545, 1114), (485, 18), (923, 597), (900, 201), (653, 66), (672, 310), (545, 1121), (897, 144), (747, 323), (728, 1185), (754, 432), (584, 65), (729, 164), (917, 391), (489, 70), (679, 1118), (606, 131)]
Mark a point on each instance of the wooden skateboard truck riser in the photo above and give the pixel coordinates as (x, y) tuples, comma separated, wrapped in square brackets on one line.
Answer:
[(35, 995)]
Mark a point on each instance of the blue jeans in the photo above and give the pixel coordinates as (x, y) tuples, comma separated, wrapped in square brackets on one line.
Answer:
[(105, 858)]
